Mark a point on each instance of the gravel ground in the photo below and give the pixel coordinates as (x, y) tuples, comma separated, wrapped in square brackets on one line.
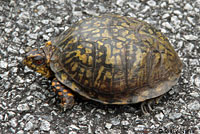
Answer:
[(25, 107)]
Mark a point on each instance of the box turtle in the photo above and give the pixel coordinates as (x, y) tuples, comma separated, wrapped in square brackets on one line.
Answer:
[(111, 59)]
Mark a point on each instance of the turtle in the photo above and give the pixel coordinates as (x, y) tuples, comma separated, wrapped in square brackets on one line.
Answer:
[(111, 59)]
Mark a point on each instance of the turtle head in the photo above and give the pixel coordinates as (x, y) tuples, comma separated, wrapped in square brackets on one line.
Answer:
[(39, 60)]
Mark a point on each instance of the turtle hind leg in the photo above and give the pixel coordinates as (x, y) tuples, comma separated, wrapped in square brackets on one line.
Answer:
[(146, 106), (65, 96)]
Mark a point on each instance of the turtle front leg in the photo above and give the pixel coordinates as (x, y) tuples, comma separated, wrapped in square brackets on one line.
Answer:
[(64, 94)]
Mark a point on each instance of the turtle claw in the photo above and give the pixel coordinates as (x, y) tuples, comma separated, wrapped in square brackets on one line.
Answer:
[(146, 106)]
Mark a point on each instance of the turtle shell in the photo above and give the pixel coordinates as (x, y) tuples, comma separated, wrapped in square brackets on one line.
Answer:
[(115, 60)]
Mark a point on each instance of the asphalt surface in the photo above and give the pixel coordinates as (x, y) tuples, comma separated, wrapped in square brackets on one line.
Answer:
[(25, 104)]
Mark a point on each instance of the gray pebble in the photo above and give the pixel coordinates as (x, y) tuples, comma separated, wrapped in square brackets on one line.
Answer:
[(20, 132), (28, 126), (23, 107), (74, 127), (194, 94), (24, 15), (125, 123), (33, 36), (197, 80), (194, 105), (108, 125), (120, 2), (45, 125), (159, 116), (13, 122), (115, 121), (190, 37), (151, 3), (188, 6), (45, 22), (3, 64), (58, 20), (175, 115), (41, 10), (165, 16), (72, 132)]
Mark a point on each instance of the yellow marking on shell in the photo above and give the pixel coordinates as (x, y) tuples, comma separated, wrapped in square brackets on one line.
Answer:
[(145, 93), (68, 61), (100, 54), (105, 33), (98, 60), (115, 30), (125, 32), (119, 45), (74, 67), (96, 31), (99, 74), (119, 27), (97, 35), (116, 51), (106, 21), (80, 76), (70, 42), (63, 77), (150, 31), (88, 74), (73, 76), (90, 60), (124, 25), (86, 29), (108, 53), (86, 82), (118, 59), (107, 75), (121, 38), (87, 50), (80, 46), (112, 59), (73, 86), (132, 37), (97, 24), (83, 58), (99, 43)]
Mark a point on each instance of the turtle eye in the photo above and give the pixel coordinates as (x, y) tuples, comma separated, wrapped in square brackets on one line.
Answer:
[(38, 60)]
